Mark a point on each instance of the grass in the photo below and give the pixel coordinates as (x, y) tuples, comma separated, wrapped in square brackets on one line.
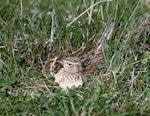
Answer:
[(32, 31)]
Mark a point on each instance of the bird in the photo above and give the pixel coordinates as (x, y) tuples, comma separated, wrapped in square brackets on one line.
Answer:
[(70, 74)]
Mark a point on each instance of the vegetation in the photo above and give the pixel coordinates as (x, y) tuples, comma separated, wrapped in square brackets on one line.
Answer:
[(34, 31)]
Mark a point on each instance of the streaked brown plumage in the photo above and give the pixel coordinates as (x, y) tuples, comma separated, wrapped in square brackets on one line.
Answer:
[(71, 73)]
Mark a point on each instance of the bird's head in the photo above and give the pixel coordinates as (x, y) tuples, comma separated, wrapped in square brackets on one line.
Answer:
[(72, 64)]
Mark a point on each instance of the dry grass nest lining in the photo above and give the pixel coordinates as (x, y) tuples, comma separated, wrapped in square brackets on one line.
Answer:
[(90, 59)]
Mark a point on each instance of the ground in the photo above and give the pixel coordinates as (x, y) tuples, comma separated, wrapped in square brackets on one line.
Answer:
[(35, 32)]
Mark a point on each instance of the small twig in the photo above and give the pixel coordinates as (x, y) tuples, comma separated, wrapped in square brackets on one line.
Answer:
[(102, 14), (52, 28), (81, 48), (52, 66), (111, 61), (45, 86), (51, 38), (43, 68), (132, 81), (86, 11), (28, 69), (21, 11), (109, 31), (114, 75), (91, 11), (98, 50)]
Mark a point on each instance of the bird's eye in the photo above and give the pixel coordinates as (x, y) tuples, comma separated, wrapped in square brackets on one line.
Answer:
[(69, 64)]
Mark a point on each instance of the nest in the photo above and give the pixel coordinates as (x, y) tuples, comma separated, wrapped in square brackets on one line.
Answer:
[(90, 59)]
